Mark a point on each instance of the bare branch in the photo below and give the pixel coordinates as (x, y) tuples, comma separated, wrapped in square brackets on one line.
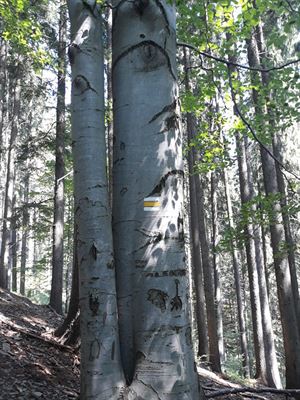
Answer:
[(247, 124), (231, 63)]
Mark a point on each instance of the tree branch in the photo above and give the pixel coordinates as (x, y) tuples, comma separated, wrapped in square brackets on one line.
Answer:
[(231, 63), (247, 124)]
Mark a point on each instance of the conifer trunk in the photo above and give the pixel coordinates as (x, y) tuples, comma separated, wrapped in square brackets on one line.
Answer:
[(58, 218), (287, 307), (238, 287)]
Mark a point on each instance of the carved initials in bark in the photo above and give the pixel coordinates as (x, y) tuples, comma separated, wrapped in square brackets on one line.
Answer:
[(158, 298), (176, 303)]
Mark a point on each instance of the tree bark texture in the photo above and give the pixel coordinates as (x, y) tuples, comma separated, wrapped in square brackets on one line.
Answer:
[(280, 255), (74, 298), (272, 371), (213, 344), (216, 265), (25, 223), (10, 171), (151, 267), (101, 374), (251, 265), (58, 218), (194, 226), (238, 286)]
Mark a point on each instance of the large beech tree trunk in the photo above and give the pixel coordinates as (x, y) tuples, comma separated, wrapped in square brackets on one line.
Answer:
[(58, 218), (101, 374), (152, 275), (156, 333)]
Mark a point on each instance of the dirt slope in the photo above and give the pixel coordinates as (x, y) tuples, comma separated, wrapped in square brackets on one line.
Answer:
[(34, 365)]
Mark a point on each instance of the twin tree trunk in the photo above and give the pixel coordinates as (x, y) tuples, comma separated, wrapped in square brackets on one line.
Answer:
[(148, 355)]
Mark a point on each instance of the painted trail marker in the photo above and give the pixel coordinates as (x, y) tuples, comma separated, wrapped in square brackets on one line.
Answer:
[(151, 203)]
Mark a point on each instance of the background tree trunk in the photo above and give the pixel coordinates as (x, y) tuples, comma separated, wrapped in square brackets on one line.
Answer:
[(58, 222), (238, 288)]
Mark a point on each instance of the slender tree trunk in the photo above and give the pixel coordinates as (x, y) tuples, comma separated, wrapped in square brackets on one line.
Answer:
[(3, 50), (214, 354), (14, 248), (272, 371), (196, 248), (152, 275), (58, 223), (216, 266), (110, 132), (74, 299), (276, 148), (238, 288), (101, 373), (283, 277), (251, 264), (25, 230), (9, 182)]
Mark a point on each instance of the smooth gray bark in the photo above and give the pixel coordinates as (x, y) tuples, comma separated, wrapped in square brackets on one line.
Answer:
[(152, 275), (216, 264), (101, 374), (58, 218)]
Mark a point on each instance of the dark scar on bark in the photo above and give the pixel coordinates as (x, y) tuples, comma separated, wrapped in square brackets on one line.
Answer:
[(140, 6), (94, 251), (188, 336), (159, 187), (94, 304), (176, 303), (168, 108), (158, 298), (180, 228), (146, 43), (72, 51), (78, 82), (94, 350), (113, 351)]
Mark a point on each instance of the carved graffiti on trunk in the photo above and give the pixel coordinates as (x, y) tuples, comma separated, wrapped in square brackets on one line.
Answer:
[(176, 303), (158, 298), (174, 272)]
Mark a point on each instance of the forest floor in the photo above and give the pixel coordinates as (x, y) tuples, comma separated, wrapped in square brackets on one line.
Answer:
[(34, 365)]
